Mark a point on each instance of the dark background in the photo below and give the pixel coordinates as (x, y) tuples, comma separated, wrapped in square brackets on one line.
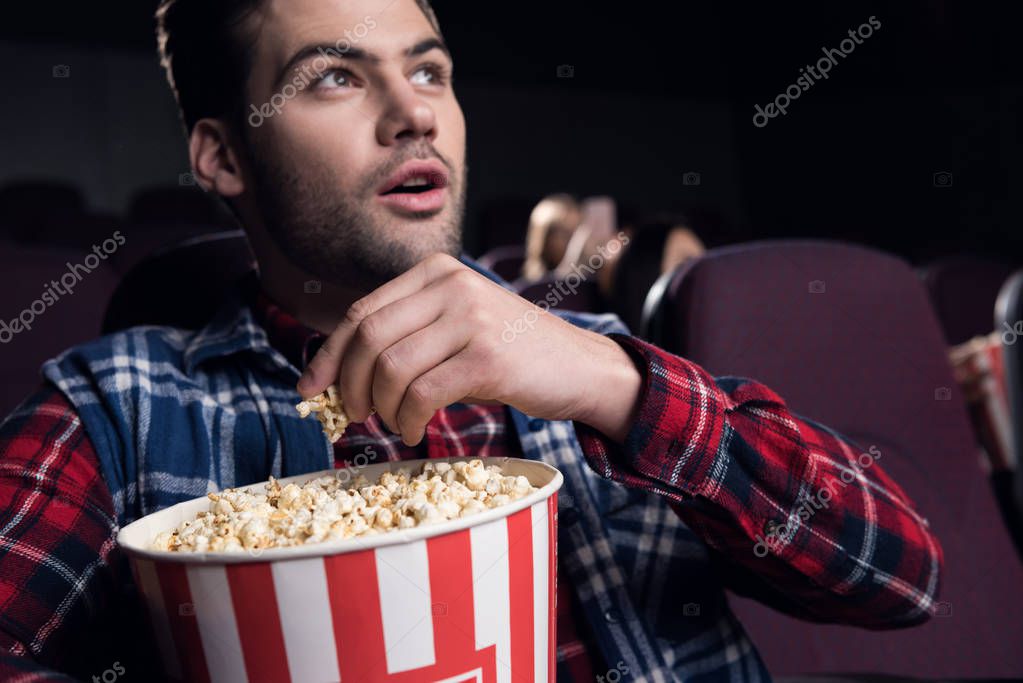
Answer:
[(657, 91)]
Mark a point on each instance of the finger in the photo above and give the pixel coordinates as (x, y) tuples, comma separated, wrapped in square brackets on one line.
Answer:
[(447, 383), (375, 334), (323, 368), (410, 358)]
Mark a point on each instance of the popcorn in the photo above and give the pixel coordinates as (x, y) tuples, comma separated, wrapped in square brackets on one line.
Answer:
[(325, 510), (329, 411)]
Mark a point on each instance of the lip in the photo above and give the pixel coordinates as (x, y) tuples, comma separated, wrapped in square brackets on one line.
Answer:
[(431, 200)]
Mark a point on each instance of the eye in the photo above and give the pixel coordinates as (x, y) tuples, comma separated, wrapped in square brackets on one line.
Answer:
[(429, 74), (335, 79)]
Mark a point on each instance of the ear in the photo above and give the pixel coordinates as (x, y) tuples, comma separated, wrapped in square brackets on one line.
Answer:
[(216, 162)]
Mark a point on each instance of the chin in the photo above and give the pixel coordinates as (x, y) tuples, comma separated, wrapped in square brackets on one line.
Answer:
[(426, 236)]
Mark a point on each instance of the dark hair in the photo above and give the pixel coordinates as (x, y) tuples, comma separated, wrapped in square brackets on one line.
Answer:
[(207, 57)]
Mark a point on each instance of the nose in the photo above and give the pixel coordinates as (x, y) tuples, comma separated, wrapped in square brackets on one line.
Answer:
[(406, 116)]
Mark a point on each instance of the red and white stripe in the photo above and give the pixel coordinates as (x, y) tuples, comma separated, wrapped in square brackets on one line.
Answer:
[(472, 605)]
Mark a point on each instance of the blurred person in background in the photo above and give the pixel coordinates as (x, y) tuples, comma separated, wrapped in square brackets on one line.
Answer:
[(552, 224), (596, 228), (656, 247)]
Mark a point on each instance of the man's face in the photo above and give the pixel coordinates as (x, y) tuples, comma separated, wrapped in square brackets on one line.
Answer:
[(372, 108)]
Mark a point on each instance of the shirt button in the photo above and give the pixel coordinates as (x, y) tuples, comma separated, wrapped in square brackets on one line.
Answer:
[(612, 616), (536, 424)]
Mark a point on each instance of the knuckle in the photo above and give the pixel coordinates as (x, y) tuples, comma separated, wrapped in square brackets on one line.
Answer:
[(439, 263), (421, 392), (441, 259), (389, 363), (368, 331), (477, 314), (463, 277), (358, 312)]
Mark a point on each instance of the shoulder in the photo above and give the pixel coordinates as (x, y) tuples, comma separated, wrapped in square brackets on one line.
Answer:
[(119, 361)]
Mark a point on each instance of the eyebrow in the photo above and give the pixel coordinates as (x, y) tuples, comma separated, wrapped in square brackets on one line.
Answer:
[(357, 54)]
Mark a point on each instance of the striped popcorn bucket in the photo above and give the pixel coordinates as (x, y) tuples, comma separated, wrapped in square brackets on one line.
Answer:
[(471, 599)]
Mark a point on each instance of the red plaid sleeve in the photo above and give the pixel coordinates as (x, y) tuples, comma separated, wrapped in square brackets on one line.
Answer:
[(797, 516), (57, 530)]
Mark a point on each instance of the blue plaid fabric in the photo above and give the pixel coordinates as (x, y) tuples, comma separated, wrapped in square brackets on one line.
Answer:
[(174, 415)]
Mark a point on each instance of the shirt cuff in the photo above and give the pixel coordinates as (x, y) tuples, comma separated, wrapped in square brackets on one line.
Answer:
[(676, 437)]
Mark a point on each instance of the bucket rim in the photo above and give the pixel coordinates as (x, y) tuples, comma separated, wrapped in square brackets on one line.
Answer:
[(135, 538)]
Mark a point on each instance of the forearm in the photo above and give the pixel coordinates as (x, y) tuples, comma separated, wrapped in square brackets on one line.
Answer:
[(787, 502), (56, 537)]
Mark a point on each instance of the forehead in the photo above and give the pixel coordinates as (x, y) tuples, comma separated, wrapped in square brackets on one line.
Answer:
[(384, 27)]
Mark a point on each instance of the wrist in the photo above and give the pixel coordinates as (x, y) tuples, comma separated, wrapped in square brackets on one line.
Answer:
[(612, 399)]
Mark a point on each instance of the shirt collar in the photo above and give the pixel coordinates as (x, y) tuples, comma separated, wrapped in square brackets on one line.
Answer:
[(294, 340)]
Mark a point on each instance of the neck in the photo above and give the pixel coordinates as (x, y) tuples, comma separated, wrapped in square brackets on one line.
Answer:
[(317, 304)]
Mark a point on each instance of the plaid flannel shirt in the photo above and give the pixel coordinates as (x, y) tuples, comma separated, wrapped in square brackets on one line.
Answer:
[(714, 472)]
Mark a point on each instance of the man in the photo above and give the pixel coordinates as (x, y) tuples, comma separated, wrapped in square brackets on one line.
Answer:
[(331, 129)]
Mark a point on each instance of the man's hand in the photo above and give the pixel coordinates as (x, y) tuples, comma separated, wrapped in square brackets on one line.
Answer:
[(441, 333)]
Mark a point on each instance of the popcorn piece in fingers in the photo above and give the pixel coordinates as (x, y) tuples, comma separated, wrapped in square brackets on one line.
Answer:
[(329, 411)]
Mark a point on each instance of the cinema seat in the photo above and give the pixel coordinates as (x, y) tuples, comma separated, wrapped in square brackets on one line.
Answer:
[(1009, 324), (963, 290), (847, 337), (566, 295), (181, 286), (505, 261), (70, 314), (80, 232), (176, 205), (25, 205)]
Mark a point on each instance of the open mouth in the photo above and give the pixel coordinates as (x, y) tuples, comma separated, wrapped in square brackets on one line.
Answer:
[(416, 185), (418, 188)]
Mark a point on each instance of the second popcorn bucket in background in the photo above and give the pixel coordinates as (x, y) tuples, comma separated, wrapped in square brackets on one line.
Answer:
[(472, 599)]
